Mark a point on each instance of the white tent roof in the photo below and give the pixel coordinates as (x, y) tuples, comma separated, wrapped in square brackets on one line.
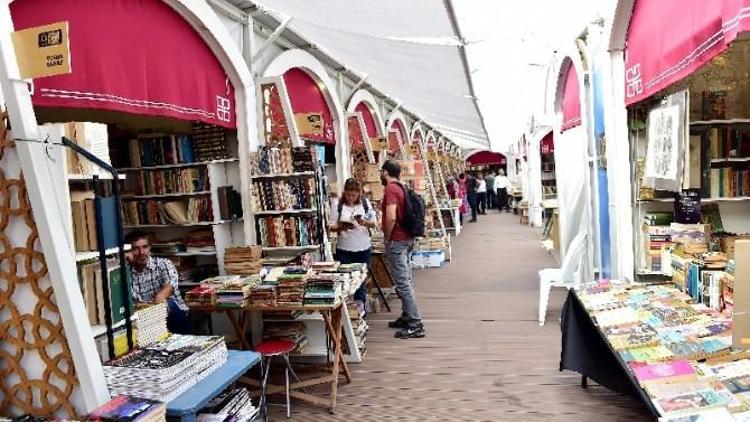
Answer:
[(410, 50)]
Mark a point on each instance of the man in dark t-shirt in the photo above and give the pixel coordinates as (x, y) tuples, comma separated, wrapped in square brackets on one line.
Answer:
[(471, 195), (398, 248)]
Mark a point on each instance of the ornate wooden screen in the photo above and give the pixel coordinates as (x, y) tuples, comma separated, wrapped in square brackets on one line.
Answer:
[(37, 375), (357, 150), (275, 125)]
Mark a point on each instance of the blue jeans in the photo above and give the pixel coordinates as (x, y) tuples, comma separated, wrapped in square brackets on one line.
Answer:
[(177, 319), (399, 261), (350, 257)]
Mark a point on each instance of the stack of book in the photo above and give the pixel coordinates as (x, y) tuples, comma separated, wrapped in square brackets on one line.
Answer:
[(92, 137), (291, 288), (325, 266), (84, 221), (167, 248), (243, 260), (357, 317), (151, 322), (656, 236), (203, 295), (281, 161), (323, 289), (165, 369), (236, 293), (150, 150), (126, 409), (233, 404), (200, 241), (209, 142), (294, 331), (264, 295)]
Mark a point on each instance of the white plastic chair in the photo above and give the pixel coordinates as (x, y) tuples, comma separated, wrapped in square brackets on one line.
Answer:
[(568, 276)]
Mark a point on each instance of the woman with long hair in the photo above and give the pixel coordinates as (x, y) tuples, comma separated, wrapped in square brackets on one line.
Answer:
[(352, 219)]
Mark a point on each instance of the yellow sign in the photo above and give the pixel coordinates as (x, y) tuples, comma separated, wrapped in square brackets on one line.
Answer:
[(309, 123), (43, 50), (379, 144), (414, 149)]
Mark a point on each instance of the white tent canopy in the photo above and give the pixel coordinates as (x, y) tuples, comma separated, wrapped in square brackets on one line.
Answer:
[(409, 50)]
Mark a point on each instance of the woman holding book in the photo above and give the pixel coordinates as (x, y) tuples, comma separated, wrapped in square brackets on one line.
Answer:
[(352, 219)]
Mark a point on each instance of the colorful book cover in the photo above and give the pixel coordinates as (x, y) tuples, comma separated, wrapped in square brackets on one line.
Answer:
[(708, 415), (689, 401), (660, 371)]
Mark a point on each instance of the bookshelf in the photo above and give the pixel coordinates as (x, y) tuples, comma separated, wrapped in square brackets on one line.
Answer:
[(85, 256)]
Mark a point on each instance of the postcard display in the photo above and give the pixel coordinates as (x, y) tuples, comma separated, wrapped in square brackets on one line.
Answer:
[(683, 341)]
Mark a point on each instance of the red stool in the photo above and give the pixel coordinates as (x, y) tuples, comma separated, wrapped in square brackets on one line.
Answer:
[(268, 350)]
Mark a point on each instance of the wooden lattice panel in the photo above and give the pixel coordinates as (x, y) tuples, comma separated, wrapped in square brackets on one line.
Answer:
[(275, 125), (357, 150), (37, 375)]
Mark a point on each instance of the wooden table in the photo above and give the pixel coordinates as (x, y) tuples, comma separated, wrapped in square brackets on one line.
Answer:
[(333, 315)]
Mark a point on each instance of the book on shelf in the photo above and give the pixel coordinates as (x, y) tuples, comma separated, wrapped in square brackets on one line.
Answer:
[(714, 106), (84, 221), (209, 142), (154, 212), (149, 150), (168, 181), (92, 137), (126, 409), (91, 281), (230, 203)]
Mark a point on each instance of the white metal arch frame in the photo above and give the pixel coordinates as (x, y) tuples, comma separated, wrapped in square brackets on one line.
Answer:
[(301, 59), (398, 116), (566, 190), (416, 128), (365, 96), (47, 215)]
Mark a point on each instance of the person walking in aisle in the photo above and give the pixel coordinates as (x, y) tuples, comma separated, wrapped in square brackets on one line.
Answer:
[(398, 246), (353, 218), (454, 192), (471, 196), (501, 186), (154, 280), (481, 193), (491, 195), (462, 194)]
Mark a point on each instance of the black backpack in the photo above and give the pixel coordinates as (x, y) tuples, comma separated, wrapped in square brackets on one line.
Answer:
[(414, 212)]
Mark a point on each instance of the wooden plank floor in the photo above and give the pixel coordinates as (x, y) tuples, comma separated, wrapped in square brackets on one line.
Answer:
[(485, 358)]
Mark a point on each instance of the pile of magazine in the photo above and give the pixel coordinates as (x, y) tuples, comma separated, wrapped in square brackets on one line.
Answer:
[(125, 409), (165, 369), (233, 404)]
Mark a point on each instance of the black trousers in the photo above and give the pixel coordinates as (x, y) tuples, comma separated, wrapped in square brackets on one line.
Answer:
[(482, 202), (502, 195), (491, 199), (472, 198)]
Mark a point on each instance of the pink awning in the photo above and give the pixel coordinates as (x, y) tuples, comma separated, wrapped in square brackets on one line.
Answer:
[(306, 97), (370, 125), (486, 158), (571, 100), (134, 56), (547, 145), (658, 55), (355, 132)]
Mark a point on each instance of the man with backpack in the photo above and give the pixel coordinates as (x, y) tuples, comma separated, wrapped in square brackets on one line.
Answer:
[(403, 220)]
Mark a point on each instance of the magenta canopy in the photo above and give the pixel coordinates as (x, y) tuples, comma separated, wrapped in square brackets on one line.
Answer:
[(658, 55), (486, 158), (571, 100), (134, 56)]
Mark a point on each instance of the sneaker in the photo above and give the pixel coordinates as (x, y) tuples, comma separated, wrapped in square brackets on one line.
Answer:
[(412, 331), (400, 322)]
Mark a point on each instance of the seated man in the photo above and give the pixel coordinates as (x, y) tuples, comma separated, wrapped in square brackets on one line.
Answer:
[(155, 281)]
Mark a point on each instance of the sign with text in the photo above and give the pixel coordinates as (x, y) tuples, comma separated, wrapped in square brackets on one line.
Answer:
[(43, 50)]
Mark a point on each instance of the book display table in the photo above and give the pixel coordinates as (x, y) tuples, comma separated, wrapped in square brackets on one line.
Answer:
[(656, 343), (190, 402), (586, 350), (333, 316)]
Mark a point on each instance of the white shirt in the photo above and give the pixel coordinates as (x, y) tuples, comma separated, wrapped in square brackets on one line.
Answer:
[(501, 182), (481, 186), (358, 238)]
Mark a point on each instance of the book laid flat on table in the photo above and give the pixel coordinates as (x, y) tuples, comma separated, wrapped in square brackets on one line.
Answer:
[(126, 408)]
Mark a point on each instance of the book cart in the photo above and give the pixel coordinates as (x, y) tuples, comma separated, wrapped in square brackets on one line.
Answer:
[(674, 339)]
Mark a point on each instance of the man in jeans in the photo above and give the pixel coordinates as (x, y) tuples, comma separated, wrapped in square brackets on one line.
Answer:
[(398, 250)]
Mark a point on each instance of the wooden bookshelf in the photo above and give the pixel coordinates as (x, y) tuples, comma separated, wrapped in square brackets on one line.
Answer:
[(197, 224), (84, 177), (85, 256), (283, 212), (286, 175), (180, 165), (167, 195), (720, 122)]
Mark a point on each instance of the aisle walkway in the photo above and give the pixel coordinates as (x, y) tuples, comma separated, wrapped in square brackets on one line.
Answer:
[(485, 357)]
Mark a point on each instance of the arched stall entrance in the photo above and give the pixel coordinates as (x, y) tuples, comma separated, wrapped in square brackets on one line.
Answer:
[(179, 108)]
